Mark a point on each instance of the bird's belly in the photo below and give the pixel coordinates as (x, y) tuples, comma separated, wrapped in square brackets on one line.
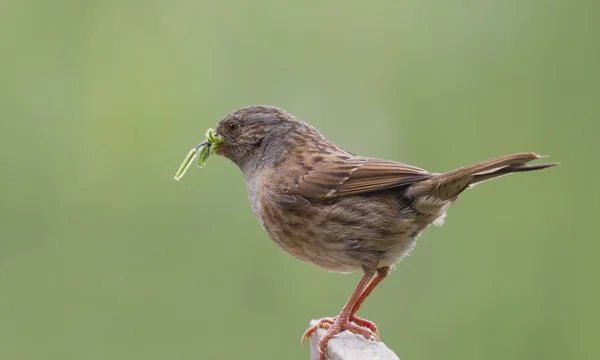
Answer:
[(401, 248), (340, 239)]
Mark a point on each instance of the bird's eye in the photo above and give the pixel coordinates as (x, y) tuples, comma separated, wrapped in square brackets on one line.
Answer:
[(233, 127)]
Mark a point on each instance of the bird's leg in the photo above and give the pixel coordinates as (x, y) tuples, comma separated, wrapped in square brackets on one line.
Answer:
[(382, 272), (342, 321)]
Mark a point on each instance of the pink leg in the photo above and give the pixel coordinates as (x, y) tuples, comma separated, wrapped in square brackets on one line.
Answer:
[(326, 323), (382, 272)]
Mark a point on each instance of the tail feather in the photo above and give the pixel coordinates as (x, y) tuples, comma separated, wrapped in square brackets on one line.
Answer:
[(487, 166), (448, 186), (479, 178)]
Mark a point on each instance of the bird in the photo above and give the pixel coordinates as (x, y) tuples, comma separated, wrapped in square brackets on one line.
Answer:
[(338, 210)]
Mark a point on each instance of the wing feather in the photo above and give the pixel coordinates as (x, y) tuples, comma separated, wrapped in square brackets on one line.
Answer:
[(331, 178)]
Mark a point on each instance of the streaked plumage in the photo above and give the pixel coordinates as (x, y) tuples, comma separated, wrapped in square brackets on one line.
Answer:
[(337, 210)]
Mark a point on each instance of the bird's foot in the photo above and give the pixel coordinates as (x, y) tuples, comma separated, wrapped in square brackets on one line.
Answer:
[(336, 325), (365, 323), (326, 323)]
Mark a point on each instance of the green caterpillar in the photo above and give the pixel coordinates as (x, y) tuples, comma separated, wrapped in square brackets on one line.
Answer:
[(200, 153)]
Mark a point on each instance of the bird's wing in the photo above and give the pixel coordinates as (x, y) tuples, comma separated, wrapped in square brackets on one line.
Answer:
[(340, 175)]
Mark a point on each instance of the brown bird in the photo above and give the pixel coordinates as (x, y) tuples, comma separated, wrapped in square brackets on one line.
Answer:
[(338, 210)]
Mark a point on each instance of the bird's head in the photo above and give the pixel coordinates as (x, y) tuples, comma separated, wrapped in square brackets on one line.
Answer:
[(260, 135)]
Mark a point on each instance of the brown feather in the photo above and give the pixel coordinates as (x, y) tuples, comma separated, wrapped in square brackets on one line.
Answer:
[(357, 175), (448, 186)]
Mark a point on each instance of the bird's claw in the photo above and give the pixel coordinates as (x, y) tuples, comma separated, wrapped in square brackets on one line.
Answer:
[(336, 325), (324, 323), (365, 323)]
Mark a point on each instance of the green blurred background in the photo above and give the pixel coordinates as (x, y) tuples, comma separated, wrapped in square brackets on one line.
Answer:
[(104, 256)]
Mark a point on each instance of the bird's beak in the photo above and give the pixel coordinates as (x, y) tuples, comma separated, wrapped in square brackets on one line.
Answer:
[(218, 140), (213, 141)]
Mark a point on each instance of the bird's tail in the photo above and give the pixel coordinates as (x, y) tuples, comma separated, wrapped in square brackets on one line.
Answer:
[(447, 186)]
